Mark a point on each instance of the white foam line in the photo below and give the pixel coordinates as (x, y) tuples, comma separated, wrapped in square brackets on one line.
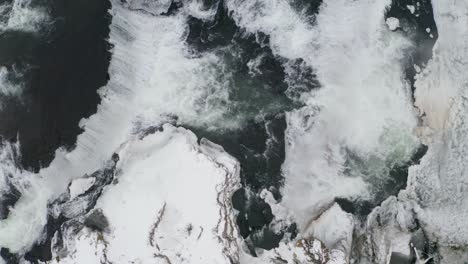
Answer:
[(364, 105), (150, 75)]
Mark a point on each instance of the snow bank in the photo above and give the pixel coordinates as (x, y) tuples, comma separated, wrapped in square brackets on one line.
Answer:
[(301, 252), (152, 75), (436, 193), (439, 183), (335, 229), (392, 23), (170, 202)]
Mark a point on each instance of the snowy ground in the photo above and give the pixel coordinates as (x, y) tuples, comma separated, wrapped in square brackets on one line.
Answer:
[(170, 196), (439, 184), (170, 201), (167, 194)]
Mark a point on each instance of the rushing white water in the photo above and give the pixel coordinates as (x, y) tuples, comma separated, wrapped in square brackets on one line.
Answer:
[(8, 153), (362, 112), (20, 15), (151, 75), (363, 107), (436, 191), (32, 217), (7, 87)]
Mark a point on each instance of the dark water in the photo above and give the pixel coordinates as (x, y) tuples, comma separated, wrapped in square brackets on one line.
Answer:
[(260, 163), (68, 62), (413, 26), (64, 66), (259, 143)]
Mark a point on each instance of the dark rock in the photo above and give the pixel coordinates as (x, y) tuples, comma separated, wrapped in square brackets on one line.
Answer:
[(97, 221)]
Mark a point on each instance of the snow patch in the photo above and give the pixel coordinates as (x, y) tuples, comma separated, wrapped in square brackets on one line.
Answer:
[(302, 251), (171, 200), (152, 75), (392, 23), (438, 184), (79, 186), (335, 229)]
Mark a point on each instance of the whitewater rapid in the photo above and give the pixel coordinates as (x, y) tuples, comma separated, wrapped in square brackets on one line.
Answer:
[(363, 110), (165, 193)]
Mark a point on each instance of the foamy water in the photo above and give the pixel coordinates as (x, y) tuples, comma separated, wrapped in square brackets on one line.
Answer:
[(363, 107), (22, 16), (152, 75), (9, 88), (342, 142)]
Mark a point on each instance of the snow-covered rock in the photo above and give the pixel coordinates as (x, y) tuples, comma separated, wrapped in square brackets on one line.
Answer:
[(303, 251), (438, 184), (170, 203), (387, 232), (80, 185), (335, 229)]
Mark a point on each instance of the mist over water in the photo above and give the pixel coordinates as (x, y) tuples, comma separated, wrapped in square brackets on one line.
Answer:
[(314, 99)]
